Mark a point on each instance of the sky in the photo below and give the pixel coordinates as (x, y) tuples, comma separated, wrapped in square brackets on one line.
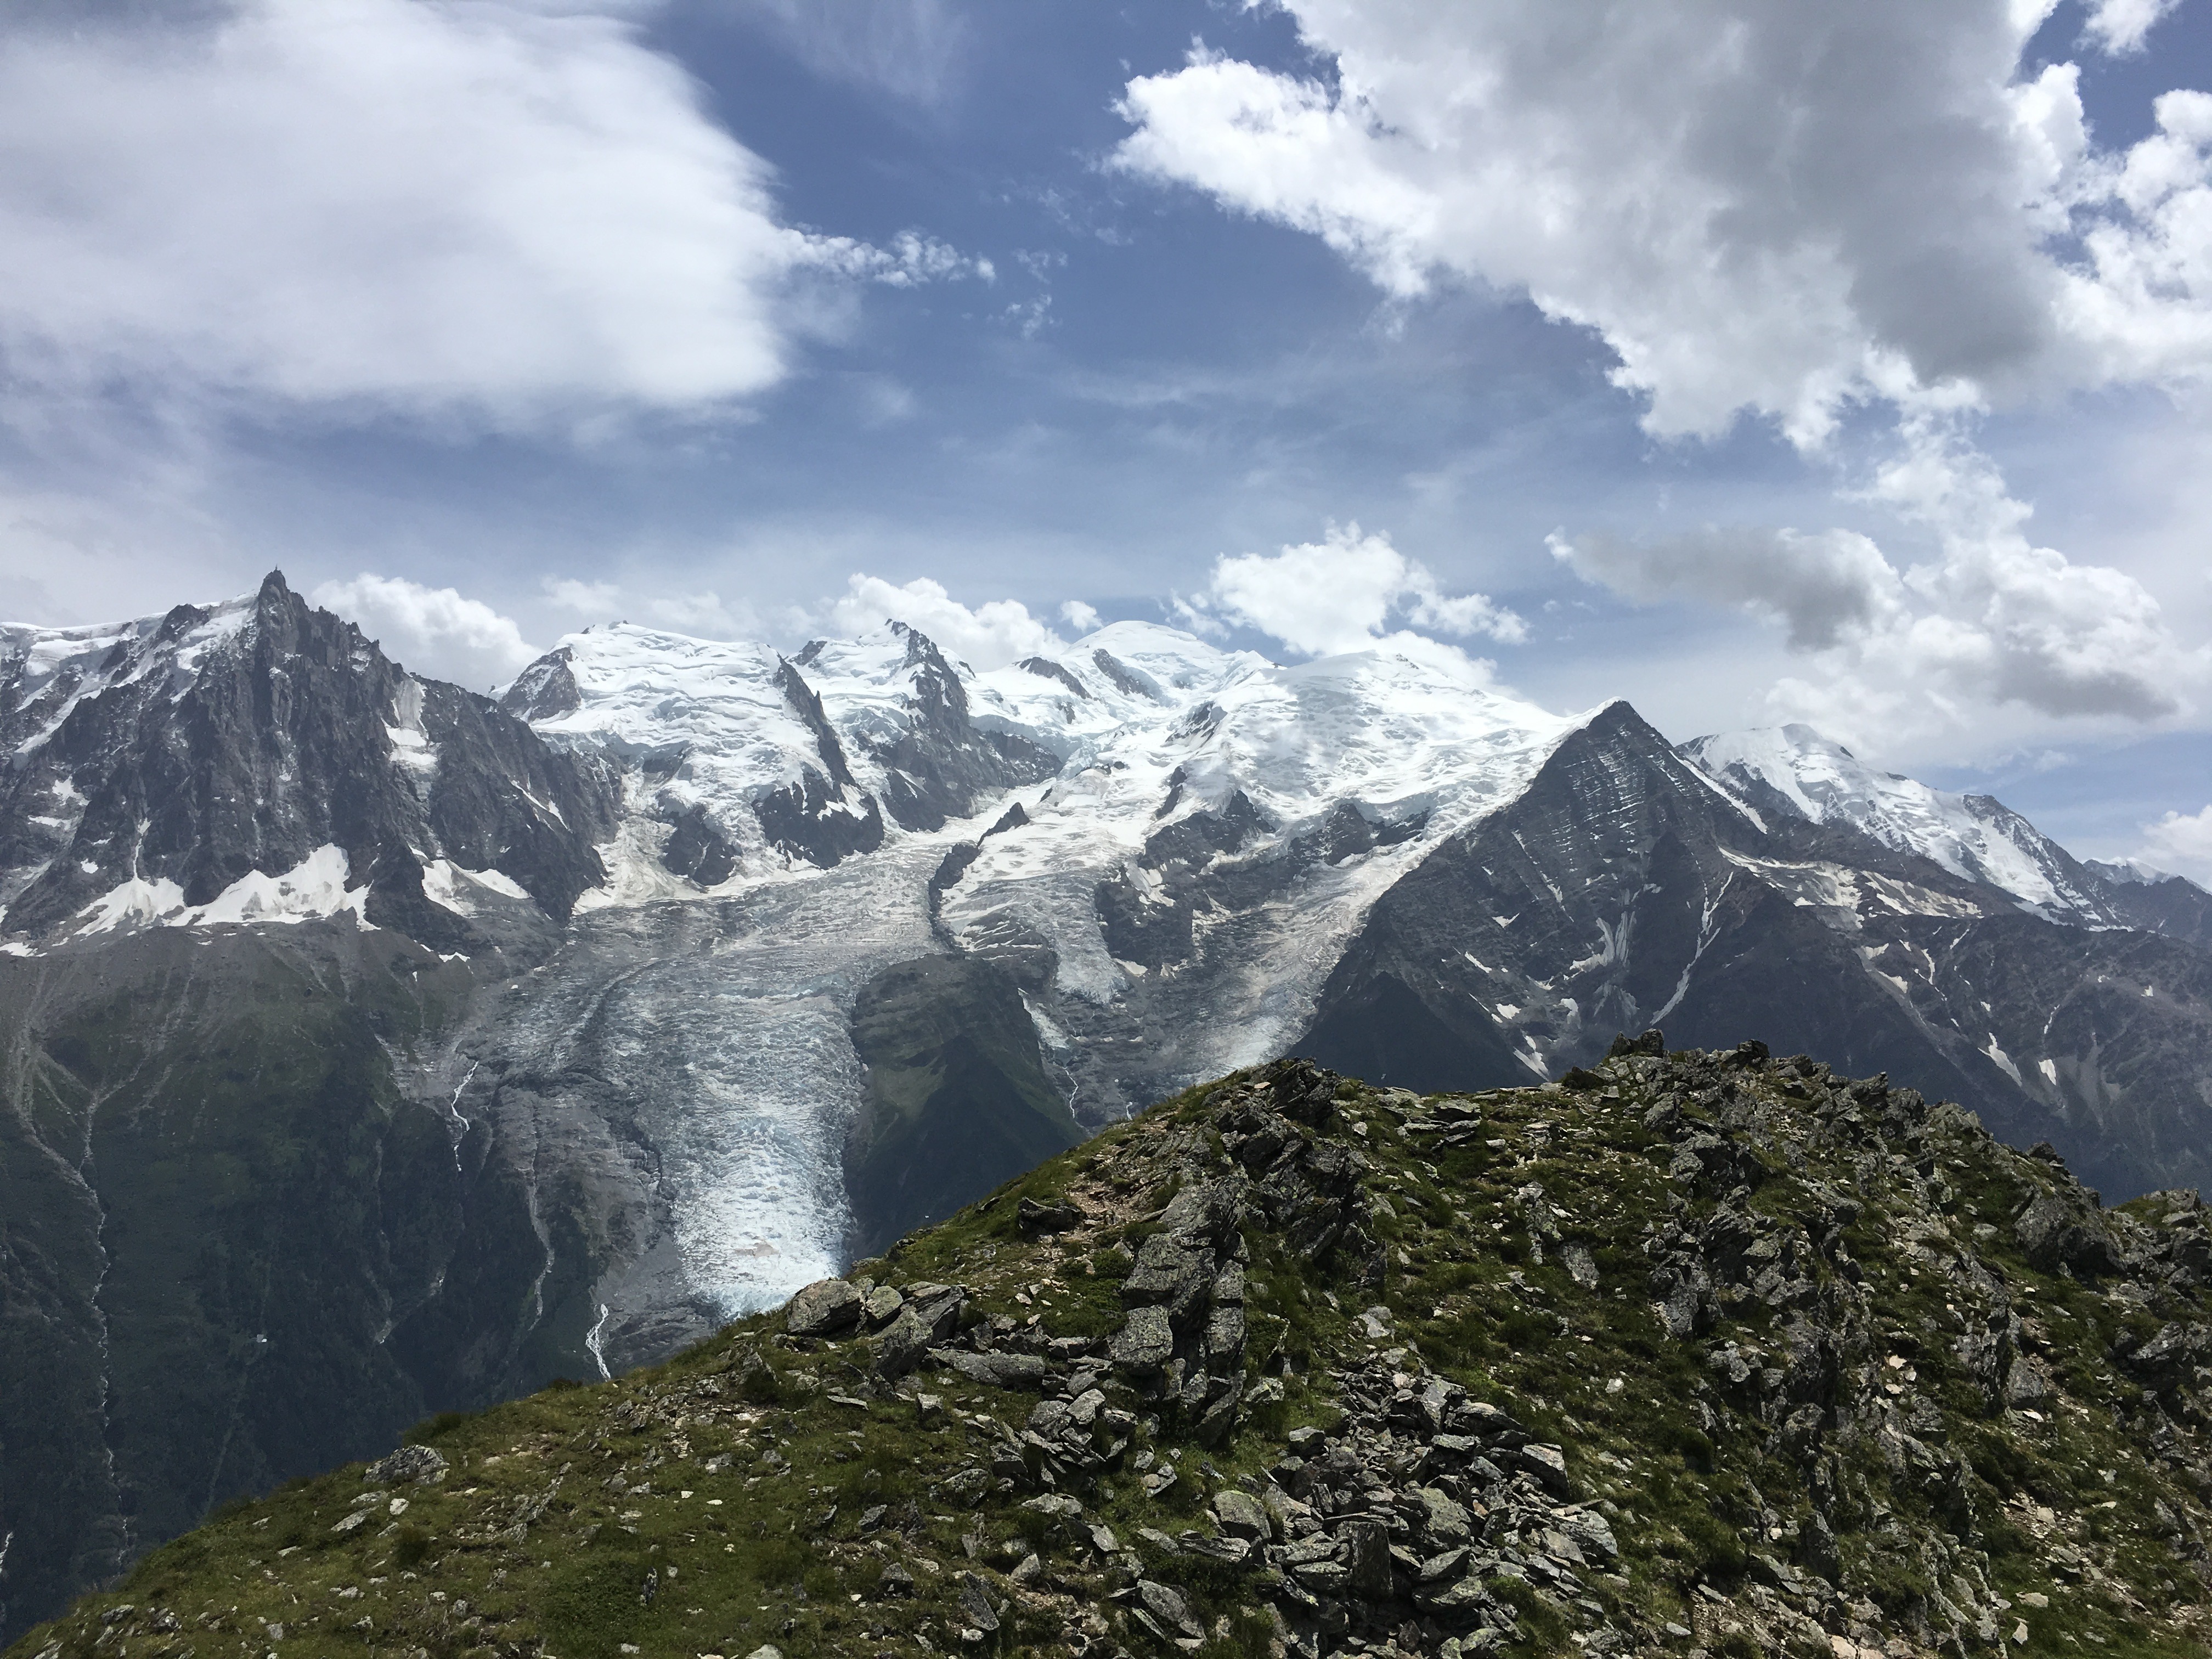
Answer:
[(1751, 361)]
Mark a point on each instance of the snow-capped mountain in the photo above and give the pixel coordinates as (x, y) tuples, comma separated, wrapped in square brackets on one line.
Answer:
[(367, 1028), (259, 762), (1793, 771)]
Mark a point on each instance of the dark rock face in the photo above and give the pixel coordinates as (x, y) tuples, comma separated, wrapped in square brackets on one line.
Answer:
[(224, 744), (1056, 672), (1123, 677), (942, 764), (825, 817), (1621, 891), (957, 1100), (203, 1248), (2179, 910), (544, 690)]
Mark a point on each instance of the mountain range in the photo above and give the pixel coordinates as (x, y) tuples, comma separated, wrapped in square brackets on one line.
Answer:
[(378, 1049)]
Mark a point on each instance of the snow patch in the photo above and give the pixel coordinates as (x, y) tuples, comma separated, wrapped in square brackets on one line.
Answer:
[(311, 890), (448, 884), (2003, 1061)]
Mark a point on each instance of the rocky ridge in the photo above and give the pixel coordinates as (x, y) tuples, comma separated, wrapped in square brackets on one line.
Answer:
[(1693, 1352), (263, 761)]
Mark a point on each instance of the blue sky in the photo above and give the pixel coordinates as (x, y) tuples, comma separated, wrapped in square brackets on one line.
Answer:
[(695, 312)]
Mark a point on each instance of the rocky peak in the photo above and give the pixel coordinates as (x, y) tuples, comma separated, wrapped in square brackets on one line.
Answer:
[(545, 689), (262, 760)]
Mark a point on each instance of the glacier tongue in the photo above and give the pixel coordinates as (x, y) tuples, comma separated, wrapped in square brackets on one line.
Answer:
[(698, 1056)]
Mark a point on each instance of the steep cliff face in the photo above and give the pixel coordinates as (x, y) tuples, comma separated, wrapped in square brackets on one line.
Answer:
[(262, 761), (218, 1205), (957, 1096)]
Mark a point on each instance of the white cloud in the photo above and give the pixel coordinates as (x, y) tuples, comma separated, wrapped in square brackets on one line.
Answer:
[(993, 633), (1812, 205), (1810, 208), (1339, 594), (2120, 26), (2183, 844), (1083, 618), (508, 210), (434, 631), (911, 260), (2007, 621)]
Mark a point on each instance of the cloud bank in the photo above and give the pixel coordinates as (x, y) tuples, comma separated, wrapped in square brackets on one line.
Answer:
[(1813, 210), (505, 210)]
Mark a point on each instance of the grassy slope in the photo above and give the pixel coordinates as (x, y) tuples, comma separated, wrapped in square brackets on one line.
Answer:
[(718, 1502)]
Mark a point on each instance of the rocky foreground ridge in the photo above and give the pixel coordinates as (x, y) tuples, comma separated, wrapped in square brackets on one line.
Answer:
[(1705, 1350)]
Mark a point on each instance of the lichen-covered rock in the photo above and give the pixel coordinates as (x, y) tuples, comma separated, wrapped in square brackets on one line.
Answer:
[(408, 1465), (2058, 1231), (826, 1306), (928, 1316), (1144, 1343)]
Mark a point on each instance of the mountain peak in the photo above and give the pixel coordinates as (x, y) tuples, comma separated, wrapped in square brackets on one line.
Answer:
[(1795, 772)]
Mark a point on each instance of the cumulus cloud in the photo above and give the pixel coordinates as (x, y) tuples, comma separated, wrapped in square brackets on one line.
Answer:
[(2005, 620), (434, 631), (1339, 594), (1812, 205), (1083, 618), (991, 636), (1812, 209), (2121, 26), (2181, 842), (496, 208)]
